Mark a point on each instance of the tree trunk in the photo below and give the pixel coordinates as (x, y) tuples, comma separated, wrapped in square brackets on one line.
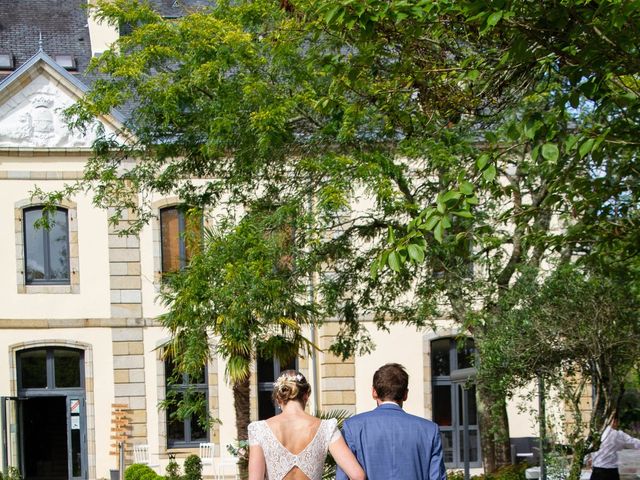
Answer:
[(241, 396), (494, 430), (576, 460)]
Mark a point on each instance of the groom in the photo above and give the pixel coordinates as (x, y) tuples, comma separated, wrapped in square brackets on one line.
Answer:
[(388, 442)]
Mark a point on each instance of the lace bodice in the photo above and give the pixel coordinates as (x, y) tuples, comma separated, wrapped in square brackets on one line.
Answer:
[(280, 461)]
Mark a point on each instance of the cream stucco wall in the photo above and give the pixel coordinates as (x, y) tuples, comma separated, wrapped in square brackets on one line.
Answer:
[(93, 299), (150, 306), (523, 412), (102, 34), (153, 338), (227, 413), (400, 345)]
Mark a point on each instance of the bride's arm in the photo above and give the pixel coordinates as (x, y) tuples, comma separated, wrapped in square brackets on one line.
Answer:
[(257, 465), (344, 457)]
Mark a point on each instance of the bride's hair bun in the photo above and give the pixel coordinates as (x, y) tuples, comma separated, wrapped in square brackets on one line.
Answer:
[(290, 385)]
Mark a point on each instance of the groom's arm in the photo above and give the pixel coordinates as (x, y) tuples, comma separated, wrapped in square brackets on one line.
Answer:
[(437, 470), (346, 433)]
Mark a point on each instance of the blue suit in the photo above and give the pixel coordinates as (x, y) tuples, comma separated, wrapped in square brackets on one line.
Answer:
[(391, 444)]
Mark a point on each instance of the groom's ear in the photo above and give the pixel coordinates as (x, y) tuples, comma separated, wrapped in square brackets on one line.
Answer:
[(374, 394), (406, 394)]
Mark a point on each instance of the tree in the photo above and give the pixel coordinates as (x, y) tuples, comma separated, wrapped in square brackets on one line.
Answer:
[(246, 290), (465, 129), (577, 329)]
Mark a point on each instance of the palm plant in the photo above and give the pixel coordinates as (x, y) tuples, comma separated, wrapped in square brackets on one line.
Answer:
[(244, 291)]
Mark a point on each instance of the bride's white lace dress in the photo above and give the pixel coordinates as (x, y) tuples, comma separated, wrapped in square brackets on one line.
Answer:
[(280, 461)]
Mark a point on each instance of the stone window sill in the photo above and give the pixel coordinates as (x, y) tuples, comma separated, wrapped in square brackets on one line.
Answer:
[(49, 289)]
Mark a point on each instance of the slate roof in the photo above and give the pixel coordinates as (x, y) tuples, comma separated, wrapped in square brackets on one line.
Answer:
[(64, 28), (63, 24), (61, 28)]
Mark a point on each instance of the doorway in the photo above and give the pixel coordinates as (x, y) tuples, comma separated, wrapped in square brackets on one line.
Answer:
[(44, 430)]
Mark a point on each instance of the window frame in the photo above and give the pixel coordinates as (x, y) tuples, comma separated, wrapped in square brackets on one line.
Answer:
[(183, 259), (456, 426), (267, 386), (184, 386), (49, 369), (46, 246)]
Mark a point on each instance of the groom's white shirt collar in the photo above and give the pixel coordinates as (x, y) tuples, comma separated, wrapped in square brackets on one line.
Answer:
[(389, 402)]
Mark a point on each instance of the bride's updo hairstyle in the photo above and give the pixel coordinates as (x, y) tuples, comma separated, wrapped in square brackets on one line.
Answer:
[(291, 385)]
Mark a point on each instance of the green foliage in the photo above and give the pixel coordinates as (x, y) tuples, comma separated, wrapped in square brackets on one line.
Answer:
[(629, 413), (193, 468), (244, 288), (248, 287), (173, 470), (479, 139), (149, 476), (578, 330), (507, 472), (138, 471), (12, 474), (240, 450)]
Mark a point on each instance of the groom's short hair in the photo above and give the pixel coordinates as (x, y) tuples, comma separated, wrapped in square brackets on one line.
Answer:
[(391, 382)]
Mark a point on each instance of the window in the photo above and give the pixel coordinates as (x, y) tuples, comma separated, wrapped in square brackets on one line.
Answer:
[(186, 432), (46, 250), (50, 368), (447, 354), (268, 371), (180, 236)]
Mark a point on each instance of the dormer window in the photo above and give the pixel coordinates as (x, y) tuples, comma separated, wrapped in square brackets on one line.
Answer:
[(6, 61), (68, 62)]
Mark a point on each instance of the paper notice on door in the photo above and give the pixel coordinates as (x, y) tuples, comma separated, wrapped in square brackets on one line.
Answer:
[(75, 422)]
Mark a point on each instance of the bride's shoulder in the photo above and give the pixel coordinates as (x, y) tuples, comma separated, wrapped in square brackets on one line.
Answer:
[(330, 422), (256, 426)]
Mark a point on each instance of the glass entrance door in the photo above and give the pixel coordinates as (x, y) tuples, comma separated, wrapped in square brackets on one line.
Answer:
[(75, 435), (52, 440), (10, 413)]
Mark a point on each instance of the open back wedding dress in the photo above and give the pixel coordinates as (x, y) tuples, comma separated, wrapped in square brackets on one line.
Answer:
[(281, 461)]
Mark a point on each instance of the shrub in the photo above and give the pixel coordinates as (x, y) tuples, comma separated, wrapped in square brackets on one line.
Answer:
[(193, 468), (173, 470), (150, 476), (12, 474), (137, 471), (456, 475), (508, 472)]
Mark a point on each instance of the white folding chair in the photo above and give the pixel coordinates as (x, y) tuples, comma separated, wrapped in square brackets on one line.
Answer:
[(206, 457), (141, 455), (227, 464)]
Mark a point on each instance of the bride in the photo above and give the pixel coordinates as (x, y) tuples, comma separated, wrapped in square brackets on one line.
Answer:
[(293, 445)]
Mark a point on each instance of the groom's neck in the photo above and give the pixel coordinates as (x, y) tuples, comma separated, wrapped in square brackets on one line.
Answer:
[(390, 402)]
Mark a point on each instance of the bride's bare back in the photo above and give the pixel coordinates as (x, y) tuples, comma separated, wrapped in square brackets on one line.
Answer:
[(293, 445), (295, 433)]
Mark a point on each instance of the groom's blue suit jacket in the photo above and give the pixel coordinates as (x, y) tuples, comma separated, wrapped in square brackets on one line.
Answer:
[(390, 444)]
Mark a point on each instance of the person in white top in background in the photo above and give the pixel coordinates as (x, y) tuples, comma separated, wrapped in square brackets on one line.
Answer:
[(604, 461)]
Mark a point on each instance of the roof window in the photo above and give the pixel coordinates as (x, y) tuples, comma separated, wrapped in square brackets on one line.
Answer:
[(6, 61), (66, 61)]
